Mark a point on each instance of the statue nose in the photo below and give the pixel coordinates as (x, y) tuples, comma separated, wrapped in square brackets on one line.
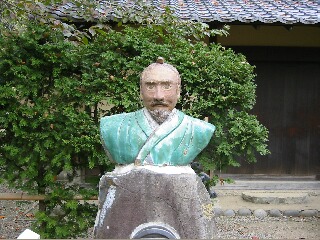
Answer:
[(159, 94)]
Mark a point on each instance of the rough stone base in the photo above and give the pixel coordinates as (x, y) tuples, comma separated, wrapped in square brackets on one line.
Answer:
[(172, 198)]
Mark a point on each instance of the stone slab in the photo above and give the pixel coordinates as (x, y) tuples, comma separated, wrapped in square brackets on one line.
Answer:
[(279, 197)]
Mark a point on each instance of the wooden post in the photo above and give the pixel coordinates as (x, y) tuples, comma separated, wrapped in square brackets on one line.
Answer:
[(211, 172)]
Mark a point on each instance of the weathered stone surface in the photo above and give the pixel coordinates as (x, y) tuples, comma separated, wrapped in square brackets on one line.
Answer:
[(309, 213), (142, 195), (279, 197), (244, 212), (275, 213), (291, 213), (260, 213)]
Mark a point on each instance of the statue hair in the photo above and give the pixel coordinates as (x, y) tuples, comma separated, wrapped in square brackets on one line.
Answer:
[(160, 63)]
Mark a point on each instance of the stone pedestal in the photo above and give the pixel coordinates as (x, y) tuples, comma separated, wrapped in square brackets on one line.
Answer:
[(150, 201)]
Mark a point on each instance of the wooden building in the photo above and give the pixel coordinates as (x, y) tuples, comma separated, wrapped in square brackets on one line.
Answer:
[(286, 53), (287, 64)]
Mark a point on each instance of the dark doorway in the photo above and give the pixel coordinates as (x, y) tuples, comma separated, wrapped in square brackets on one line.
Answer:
[(288, 104)]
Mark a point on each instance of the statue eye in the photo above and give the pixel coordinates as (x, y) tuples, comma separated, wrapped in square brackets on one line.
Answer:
[(166, 86), (150, 87)]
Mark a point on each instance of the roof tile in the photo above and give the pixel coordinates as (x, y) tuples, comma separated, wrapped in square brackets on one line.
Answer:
[(247, 11)]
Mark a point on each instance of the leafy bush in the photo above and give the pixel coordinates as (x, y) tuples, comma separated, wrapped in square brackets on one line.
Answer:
[(46, 127)]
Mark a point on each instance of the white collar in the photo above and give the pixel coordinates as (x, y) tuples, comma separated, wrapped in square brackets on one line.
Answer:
[(153, 124)]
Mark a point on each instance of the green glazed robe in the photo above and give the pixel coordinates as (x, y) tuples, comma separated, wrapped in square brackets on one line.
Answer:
[(131, 138)]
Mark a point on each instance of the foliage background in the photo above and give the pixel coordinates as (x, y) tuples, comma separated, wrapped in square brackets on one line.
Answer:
[(58, 79)]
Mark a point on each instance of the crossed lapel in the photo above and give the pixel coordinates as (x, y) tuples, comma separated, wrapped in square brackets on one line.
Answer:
[(158, 134)]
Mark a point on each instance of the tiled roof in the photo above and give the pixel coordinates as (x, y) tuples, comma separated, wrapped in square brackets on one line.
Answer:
[(227, 11), (266, 11)]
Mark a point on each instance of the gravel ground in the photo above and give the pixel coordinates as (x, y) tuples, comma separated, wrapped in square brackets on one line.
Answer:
[(268, 228), (16, 216)]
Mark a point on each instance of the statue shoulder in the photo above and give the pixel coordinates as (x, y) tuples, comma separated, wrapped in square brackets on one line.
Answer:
[(199, 124), (116, 118)]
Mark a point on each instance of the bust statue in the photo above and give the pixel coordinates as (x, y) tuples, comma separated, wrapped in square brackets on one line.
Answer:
[(158, 134), (140, 198)]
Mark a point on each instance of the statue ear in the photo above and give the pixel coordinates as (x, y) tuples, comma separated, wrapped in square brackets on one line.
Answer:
[(178, 91)]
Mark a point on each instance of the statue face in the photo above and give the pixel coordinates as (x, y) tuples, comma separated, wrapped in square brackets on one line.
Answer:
[(160, 89)]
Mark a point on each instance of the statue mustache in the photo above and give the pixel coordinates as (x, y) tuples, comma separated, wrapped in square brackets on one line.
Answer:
[(159, 102)]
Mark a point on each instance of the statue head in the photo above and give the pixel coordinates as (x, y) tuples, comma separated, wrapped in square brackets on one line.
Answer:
[(160, 87)]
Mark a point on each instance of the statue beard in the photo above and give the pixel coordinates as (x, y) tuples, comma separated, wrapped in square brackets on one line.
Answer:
[(159, 115)]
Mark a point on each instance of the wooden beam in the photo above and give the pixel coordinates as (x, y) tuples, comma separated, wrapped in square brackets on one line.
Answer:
[(24, 196)]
